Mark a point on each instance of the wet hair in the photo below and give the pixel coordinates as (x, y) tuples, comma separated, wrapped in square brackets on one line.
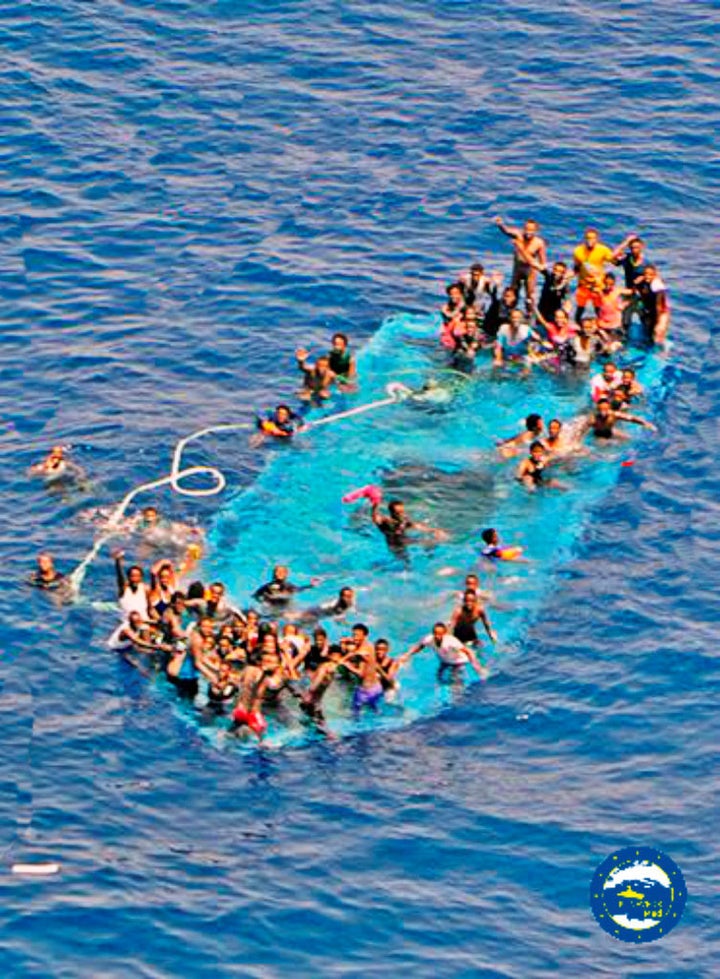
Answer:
[(532, 421), (394, 504), (196, 590), (439, 625), (537, 445), (362, 628), (651, 268), (454, 285), (635, 240), (218, 584), (475, 267), (561, 264), (134, 567), (319, 631), (610, 275), (341, 336), (555, 421), (382, 642), (469, 593), (603, 401), (629, 370), (176, 595), (286, 408), (488, 534)]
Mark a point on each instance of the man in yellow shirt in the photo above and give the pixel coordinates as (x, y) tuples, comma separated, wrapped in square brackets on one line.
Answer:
[(590, 259)]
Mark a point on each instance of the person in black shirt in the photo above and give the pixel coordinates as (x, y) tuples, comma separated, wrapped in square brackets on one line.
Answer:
[(555, 290), (278, 592)]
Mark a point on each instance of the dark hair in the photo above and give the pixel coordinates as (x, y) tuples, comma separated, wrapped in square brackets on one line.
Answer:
[(564, 264), (454, 285), (555, 421), (488, 534), (537, 445), (636, 239), (341, 336), (135, 567), (363, 628), (439, 625), (610, 275), (384, 641), (532, 421), (319, 631), (477, 267), (218, 584), (603, 401), (196, 590), (394, 504), (176, 595), (286, 408)]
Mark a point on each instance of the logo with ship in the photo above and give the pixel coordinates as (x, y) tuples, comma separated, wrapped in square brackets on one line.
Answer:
[(638, 894)]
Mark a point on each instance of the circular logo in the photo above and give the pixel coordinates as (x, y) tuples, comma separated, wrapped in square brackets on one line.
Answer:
[(638, 894)]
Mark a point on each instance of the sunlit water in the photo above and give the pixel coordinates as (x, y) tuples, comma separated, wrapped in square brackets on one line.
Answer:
[(189, 193)]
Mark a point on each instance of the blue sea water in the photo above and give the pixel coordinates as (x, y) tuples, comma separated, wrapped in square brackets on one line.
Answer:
[(188, 192)]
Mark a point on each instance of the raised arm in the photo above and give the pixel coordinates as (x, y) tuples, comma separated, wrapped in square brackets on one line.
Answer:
[(506, 229), (618, 252), (635, 420), (120, 574)]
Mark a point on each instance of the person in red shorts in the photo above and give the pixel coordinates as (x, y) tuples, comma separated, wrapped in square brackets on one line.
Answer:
[(247, 712), (589, 261)]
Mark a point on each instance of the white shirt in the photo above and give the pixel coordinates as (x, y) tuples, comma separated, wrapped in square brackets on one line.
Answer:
[(601, 388), (135, 601), (450, 650)]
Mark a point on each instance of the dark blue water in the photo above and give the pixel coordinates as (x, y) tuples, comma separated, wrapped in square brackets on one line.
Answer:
[(188, 191)]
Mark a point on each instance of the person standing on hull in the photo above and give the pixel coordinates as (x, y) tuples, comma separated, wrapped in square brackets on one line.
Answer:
[(530, 252), (589, 261), (555, 291), (452, 653), (476, 286), (396, 526), (654, 305)]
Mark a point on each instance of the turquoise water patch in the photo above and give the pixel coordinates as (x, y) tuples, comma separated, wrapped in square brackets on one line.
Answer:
[(439, 457)]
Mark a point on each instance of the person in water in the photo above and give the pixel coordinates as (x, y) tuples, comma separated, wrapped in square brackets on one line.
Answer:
[(279, 591), (370, 691), (318, 377), (601, 423), (604, 384), (530, 251), (499, 308), (464, 620), (247, 712), (398, 529), (47, 577), (532, 471), (494, 550), (513, 341), (282, 423), (56, 466), (452, 653), (476, 289), (533, 431), (342, 362)]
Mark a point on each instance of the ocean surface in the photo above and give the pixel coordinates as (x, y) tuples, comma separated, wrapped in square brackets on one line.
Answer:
[(187, 193)]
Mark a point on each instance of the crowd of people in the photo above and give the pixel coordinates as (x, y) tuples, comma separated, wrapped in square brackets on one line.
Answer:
[(277, 654)]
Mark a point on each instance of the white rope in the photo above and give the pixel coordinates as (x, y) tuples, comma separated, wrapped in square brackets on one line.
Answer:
[(396, 393)]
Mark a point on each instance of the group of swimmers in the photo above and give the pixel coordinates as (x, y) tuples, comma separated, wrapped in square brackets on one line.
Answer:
[(247, 662)]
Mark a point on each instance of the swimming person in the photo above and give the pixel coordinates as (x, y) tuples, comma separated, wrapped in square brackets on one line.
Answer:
[(47, 578), (279, 591), (533, 431), (247, 712), (397, 527), (532, 471), (603, 385), (56, 467), (495, 551), (465, 618), (338, 608), (603, 420), (318, 378), (342, 362), (529, 251), (282, 423), (453, 654)]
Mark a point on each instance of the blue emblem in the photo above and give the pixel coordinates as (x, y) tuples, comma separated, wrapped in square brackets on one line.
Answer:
[(638, 894)]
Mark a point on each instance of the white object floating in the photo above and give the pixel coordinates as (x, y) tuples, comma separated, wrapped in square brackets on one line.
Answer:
[(35, 869)]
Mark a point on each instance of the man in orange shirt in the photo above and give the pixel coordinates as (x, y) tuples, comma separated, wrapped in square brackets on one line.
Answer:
[(590, 259)]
